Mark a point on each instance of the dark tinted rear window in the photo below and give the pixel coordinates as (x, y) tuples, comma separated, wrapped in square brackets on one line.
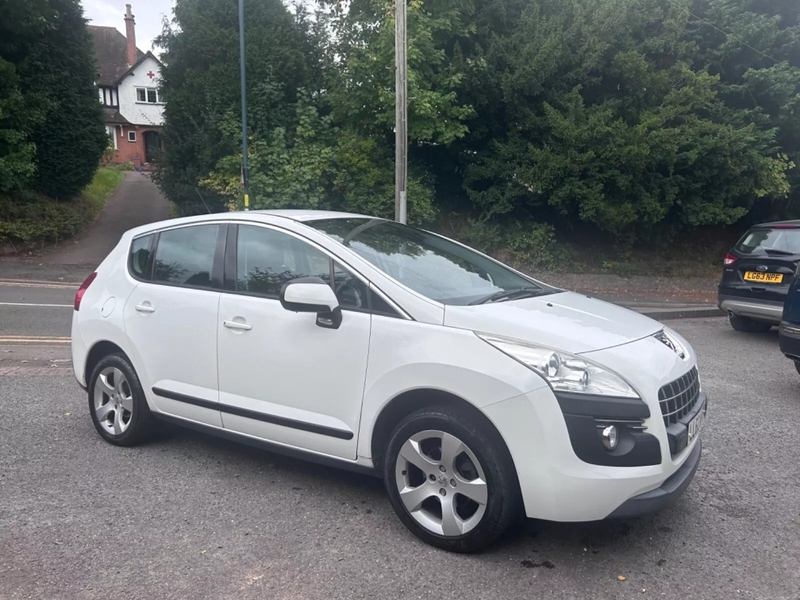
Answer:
[(186, 256), (765, 241)]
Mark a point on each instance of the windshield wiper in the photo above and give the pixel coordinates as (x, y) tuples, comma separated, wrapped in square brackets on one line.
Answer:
[(778, 252), (502, 295)]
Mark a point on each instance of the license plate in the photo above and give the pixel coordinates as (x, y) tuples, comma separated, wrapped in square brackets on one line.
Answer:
[(695, 425), (763, 277)]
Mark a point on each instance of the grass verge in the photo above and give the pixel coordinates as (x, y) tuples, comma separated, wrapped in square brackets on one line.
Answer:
[(31, 220)]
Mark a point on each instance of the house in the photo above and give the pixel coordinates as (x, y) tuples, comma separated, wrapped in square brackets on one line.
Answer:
[(127, 86)]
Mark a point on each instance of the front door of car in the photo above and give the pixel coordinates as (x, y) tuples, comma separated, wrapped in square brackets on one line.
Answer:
[(171, 321), (283, 377)]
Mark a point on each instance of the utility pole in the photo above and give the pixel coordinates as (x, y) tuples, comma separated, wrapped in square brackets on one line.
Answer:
[(245, 173), (401, 111)]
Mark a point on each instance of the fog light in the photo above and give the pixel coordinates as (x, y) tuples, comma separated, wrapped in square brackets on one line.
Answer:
[(610, 437)]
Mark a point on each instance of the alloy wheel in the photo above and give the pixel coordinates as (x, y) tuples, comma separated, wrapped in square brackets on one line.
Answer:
[(441, 483), (113, 401)]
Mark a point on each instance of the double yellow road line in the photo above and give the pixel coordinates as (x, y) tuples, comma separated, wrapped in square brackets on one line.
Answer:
[(33, 339), (59, 285)]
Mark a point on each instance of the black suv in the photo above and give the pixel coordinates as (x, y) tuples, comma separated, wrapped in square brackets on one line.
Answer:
[(757, 274)]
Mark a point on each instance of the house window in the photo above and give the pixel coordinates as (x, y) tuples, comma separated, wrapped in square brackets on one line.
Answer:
[(112, 136), (131, 136), (148, 95)]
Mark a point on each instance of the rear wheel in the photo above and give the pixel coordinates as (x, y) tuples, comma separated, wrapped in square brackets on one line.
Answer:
[(117, 404), (451, 482), (748, 325)]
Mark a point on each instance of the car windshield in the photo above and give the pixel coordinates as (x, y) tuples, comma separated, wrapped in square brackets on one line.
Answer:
[(765, 241), (430, 264)]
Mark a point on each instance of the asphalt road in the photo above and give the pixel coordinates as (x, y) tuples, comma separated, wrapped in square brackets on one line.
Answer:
[(190, 516)]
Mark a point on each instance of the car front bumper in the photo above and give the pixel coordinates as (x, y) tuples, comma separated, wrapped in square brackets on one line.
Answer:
[(761, 310), (557, 485), (666, 494)]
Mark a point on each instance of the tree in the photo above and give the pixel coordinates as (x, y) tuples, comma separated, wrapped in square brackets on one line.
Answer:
[(596, 113), (16, 151), (754, 48), (48, 43), (200, 82)]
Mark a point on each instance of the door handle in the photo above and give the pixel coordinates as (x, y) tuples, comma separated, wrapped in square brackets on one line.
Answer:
[(237, 325), (144, 308)]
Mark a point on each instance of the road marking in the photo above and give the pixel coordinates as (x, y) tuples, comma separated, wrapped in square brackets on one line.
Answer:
[(36, 305), (40, 284), (33, 339)]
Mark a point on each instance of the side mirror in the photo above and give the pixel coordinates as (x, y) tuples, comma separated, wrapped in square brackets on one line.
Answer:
[(312, 294)]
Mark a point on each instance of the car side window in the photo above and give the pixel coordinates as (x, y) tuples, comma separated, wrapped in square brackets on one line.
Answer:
[(185, 256), (140, 256), (266, 259)]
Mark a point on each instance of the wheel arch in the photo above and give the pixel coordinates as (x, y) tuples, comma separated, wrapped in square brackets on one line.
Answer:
[(411, 401), (99, 351)]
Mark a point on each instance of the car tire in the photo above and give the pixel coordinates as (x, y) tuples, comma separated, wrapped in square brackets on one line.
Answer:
[(748, 325), (797, 366), (418, 478), (117, 403)]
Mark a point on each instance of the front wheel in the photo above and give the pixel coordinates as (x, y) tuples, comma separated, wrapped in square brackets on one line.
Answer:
[(748, 325), (450, 480)]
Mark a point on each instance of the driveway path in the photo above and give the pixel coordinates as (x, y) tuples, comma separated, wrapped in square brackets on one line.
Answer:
[(136, 201)]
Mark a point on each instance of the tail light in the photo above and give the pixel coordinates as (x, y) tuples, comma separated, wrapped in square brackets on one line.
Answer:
[(82, 290), (729, 259)]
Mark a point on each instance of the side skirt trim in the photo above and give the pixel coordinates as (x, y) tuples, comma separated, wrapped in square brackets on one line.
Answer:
[(254, 414)]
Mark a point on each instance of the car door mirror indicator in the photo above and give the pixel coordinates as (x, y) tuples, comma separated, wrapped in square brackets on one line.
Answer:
[(313, 295)]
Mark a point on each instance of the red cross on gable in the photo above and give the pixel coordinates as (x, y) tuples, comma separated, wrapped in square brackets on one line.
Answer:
[(150, 74)]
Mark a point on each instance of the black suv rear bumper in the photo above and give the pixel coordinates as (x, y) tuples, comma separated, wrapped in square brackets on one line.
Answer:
[(760, 310)]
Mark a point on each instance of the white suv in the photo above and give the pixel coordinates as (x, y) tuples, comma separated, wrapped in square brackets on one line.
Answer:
[(475, 391)]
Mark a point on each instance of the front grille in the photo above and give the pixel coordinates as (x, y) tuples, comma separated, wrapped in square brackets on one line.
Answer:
[(678, 398)]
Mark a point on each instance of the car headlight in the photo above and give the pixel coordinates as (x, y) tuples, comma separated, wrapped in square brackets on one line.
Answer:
[(563, 371)]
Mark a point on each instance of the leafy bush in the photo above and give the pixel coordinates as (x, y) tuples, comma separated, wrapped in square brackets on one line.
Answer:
[(524, 245), (30, 218)]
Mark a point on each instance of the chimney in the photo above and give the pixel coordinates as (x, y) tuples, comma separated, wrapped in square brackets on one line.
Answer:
[(130, 31)]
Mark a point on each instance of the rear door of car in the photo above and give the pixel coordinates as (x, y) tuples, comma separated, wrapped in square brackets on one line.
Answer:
[(171, 319), (765, 263)]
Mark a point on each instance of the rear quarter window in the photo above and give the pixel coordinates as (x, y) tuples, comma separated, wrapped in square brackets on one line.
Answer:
[(140, 257)]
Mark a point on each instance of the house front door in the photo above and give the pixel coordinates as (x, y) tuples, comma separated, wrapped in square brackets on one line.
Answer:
[(152, 146)]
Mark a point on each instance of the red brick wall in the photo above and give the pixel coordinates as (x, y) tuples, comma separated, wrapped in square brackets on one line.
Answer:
[(131, 151)]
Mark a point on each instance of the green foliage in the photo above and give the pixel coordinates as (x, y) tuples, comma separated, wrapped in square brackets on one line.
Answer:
[(364, 181), (288, 168), (525, 245), (48, 43), (16, 151), (29, 217), (615, 126), (638, 118), (200, 79), (362, 93)]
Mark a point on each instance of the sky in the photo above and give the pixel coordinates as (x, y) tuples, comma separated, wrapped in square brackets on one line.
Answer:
[(148, 15)]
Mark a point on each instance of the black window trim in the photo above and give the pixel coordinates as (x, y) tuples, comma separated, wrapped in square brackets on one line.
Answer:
[(229, 276), (216, 268)]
